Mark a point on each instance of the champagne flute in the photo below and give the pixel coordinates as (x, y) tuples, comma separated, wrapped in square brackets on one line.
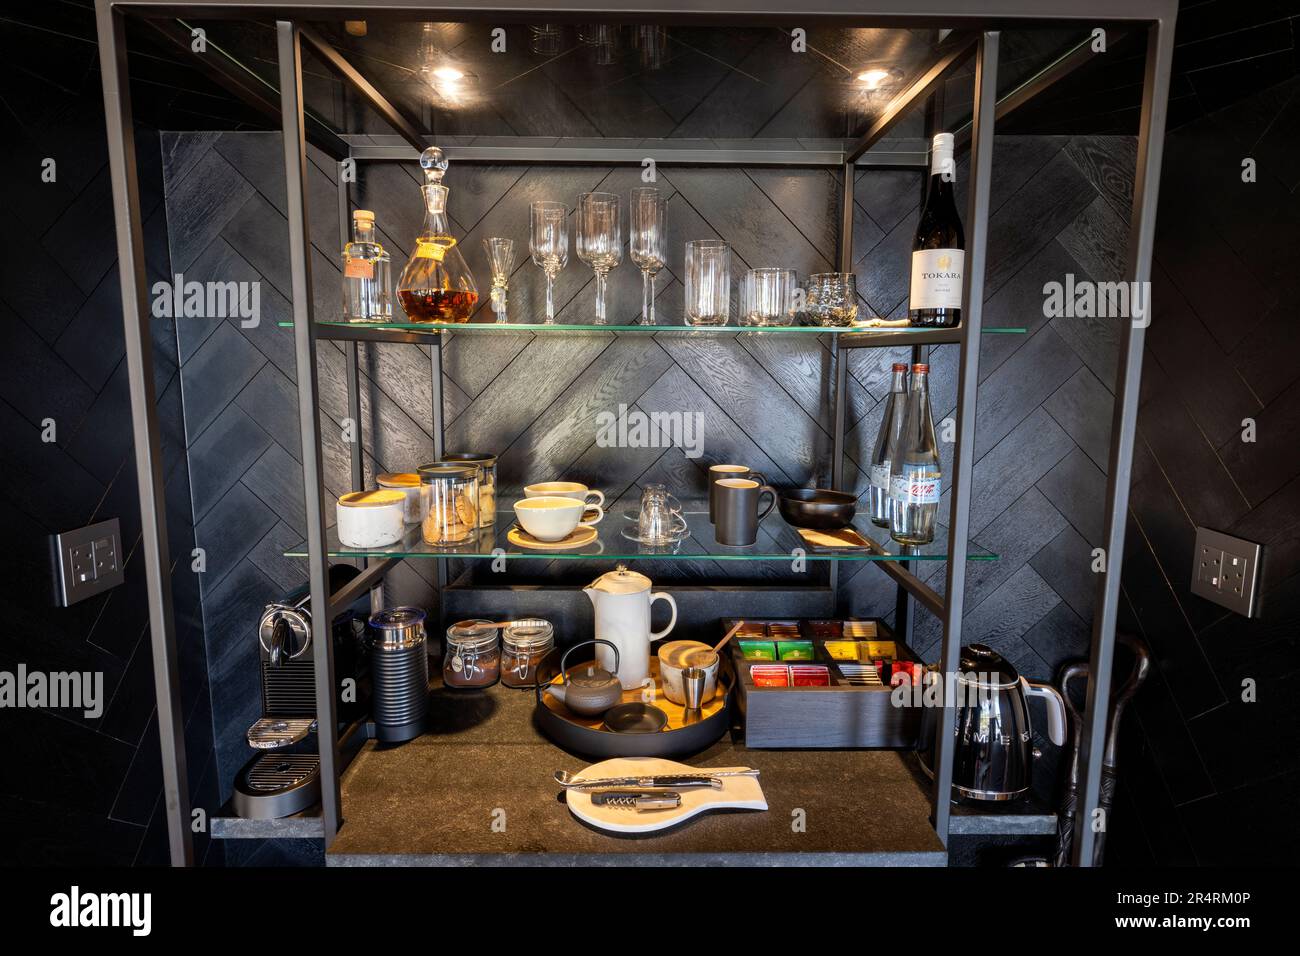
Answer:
[(649, 242), (600, 241), (548, 243)]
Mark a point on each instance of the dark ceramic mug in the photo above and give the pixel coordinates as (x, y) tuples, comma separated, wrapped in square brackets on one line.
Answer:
[(737, 514), (717, 472)]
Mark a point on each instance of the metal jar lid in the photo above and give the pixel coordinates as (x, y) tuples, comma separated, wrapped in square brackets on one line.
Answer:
[(473, 458), (472, 637), (528, 636), (398, 626)]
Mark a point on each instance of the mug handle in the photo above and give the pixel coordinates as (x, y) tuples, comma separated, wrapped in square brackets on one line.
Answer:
[(600, 513), (661, 596), (600, 498), (769, 490), (757, 476)]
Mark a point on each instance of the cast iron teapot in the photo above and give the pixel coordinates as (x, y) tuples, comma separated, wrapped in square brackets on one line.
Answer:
[(590, 689)]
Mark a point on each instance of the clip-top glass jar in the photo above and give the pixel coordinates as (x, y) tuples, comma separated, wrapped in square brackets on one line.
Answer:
[(523, 646), (472, 656), (452, 502)]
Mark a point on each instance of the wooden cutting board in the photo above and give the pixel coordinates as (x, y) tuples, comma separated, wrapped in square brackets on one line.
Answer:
[(742, 793)]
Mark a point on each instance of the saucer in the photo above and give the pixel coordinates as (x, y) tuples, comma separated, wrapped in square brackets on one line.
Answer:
[(577, 538), (634, 534)]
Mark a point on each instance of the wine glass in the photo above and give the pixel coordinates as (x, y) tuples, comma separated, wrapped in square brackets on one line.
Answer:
[(649, 242), (708, 282), (548, 243), (600, 241)]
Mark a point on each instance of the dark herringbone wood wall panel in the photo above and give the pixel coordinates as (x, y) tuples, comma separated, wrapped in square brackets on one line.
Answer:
[(1044, 397), (1222, 349), (87, 790)]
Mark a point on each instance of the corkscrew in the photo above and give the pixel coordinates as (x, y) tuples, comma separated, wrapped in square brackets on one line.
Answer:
[(640, 802)]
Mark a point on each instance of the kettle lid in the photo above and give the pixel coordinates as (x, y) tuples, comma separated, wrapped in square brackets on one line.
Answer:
[(621, 581), (991, 666)]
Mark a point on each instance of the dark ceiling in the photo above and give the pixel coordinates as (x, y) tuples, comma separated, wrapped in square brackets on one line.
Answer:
[(611, 80)]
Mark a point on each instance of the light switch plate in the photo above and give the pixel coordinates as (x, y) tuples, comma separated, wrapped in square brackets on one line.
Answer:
[(1225, 570), (87, 561)]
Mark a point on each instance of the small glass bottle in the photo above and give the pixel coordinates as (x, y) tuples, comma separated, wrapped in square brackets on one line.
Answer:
[(367, 274), (436, 285), (915, 475), (891, 426)]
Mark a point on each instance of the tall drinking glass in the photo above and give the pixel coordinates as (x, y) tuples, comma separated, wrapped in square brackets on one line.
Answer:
[(600, 241), (649, 242), (708, 282), (767, 297), (548, 243)]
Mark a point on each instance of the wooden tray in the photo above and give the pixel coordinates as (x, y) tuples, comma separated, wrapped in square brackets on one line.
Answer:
[(841, 715), (585, 735)]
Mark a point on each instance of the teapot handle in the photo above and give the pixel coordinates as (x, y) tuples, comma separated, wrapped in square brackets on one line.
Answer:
[(672, 622), (564, 658), (1055, 708)]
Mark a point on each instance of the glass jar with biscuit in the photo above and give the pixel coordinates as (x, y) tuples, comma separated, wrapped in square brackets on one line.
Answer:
[(487, 482), (453, 503)]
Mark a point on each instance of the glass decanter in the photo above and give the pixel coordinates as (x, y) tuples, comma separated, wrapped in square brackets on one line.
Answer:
[(436, 285)]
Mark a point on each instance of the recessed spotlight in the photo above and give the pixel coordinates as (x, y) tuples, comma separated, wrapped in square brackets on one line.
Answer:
[(873, 78)]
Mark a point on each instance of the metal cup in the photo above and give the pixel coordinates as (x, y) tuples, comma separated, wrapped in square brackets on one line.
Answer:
[(693, 681)]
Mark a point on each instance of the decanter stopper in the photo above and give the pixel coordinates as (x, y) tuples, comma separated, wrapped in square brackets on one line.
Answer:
[(434, 163)]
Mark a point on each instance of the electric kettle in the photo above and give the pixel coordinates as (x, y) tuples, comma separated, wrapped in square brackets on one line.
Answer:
[(993, 733)]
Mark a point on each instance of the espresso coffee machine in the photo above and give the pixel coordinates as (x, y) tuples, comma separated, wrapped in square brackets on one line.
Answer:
[(283, 777)]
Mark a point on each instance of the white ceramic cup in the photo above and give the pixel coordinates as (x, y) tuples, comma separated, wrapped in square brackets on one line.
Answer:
[(552, 518), (566, 489)]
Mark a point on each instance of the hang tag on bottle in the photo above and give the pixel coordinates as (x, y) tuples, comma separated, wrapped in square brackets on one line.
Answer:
[(427, 249), (359, 269)]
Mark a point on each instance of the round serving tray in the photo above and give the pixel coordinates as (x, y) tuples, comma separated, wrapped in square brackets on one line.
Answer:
[(586, 736)]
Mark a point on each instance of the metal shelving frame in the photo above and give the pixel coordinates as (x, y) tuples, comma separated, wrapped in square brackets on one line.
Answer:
[(978, 23)]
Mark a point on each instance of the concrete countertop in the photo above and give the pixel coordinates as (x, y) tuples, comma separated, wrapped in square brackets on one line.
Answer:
[(479, 792)]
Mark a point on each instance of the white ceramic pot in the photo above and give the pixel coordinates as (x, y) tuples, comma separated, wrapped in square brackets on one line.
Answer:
[(552, 518), (371, 519), (676, 656), (416, 508)]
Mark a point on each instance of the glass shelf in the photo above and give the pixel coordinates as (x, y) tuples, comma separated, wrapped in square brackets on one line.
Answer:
[(777, 541), (360, 330)]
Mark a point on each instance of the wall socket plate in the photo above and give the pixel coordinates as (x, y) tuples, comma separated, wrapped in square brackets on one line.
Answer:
[(1225, 570), (87, 561)]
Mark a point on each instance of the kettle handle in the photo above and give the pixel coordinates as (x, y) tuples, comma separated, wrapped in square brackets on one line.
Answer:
[(1055, 708), (672, 622), (564, 658)]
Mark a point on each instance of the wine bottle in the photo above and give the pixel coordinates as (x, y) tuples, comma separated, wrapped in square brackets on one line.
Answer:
[(914, 473), (938, 251), (891, 426)]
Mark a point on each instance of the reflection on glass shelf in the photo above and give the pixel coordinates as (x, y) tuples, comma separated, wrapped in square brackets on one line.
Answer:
[(777, 541), (512, 327)]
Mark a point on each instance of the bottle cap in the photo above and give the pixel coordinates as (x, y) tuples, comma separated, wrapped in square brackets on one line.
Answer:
[(900, 366), (921, 367), (363, 215)]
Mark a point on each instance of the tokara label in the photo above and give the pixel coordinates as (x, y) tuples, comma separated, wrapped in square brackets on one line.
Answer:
[(936, 279)]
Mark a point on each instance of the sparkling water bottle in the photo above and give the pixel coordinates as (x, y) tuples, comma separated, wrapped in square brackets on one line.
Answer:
[(914, 472), (891, 426)]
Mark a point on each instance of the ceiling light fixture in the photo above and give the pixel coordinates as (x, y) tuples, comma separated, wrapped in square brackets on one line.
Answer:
[(448, 73), (871, 79)]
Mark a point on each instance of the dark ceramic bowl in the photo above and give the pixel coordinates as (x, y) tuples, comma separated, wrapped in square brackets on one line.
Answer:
[(819, 509)]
